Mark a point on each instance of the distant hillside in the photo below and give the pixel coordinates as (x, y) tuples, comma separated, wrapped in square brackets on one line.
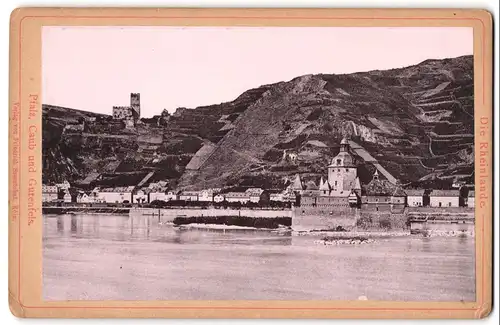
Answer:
[(416, 122)]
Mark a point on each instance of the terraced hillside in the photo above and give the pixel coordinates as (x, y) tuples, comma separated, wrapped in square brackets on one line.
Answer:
[(415, 123)]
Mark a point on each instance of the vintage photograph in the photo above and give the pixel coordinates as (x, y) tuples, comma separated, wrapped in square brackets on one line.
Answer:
[(258, 163)]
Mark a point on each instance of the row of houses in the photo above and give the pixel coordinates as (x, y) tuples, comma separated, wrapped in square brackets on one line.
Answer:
[(439, 198), (51, 193), (160, 192)]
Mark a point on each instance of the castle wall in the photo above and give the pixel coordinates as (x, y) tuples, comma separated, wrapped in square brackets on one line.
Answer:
[(322, 219), (170, 214), (382, 220), (324, 201), (122, 112)]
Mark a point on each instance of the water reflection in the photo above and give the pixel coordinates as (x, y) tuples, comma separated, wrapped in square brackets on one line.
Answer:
[(73, 224), (149, 228), (139, 258), (60, 224)]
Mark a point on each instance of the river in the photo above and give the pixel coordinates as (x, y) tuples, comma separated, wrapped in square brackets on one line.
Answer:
[(117, 257)]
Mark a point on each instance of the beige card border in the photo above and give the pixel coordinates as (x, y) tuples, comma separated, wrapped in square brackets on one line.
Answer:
[(25, 221)]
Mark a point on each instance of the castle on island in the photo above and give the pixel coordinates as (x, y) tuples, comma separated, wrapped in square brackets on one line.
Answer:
[(342, 189)]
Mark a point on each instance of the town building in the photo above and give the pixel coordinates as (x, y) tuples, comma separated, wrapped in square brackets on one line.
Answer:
[(64, 185), (218, 198), (444, 198), (382, 195), (189, 196), (258, 195), (208, 195), (471, 199), (83, 197), (157, 195), (276, 197), (172, 196), (94, 195), (141, 196), (240, 197), (67, 197), (415, 198), (116, 194), (49, 193)]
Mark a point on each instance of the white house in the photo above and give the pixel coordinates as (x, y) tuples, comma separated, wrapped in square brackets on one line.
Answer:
[(415, 198), (94, 195), (83, 198), (444, 198), (241, 197), (277, 197), (219, 198), (157, 195), (471, 198), (49, 193), (254, 190), (67, 197), (140, 196), (206, 196), (172, 195), (64, 185), (116, 194), (189, 196)]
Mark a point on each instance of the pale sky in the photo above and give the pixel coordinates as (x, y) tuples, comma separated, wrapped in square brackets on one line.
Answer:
[(95, 68)]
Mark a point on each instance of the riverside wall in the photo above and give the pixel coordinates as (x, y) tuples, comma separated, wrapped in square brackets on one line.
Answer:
[(168, 215), (389, 220), (347, 218)]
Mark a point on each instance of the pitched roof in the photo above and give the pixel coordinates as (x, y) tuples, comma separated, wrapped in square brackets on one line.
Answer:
[(382, 187), (297, 183), (357, 184), (311, 185), (323, 185), (449, 193), (237, 194), (190, 193), (413, 192), (121, 189), (254, 191)]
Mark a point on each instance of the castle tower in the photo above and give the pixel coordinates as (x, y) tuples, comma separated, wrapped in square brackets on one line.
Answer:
[(342, 172), (135, 103)]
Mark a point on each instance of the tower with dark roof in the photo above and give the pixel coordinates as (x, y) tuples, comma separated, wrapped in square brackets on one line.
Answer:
[(342, 172)]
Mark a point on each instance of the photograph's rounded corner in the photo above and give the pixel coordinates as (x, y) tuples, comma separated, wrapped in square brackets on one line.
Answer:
[(485, 311), (16, 15), (16, 308), (485, 15)]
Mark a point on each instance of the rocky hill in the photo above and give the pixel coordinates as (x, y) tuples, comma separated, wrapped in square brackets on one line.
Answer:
[(416, 122)]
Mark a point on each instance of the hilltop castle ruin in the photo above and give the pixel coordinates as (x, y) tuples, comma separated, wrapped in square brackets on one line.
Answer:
[(129, 114)]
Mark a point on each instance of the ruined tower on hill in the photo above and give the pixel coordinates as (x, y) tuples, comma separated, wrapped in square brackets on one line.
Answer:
[(129, 114), (135, 104)]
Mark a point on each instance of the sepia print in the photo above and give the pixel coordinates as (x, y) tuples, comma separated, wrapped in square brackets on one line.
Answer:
[(252, 163), (233, 163)]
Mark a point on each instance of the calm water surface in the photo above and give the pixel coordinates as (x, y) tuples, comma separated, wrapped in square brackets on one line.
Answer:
[(103, 257)]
